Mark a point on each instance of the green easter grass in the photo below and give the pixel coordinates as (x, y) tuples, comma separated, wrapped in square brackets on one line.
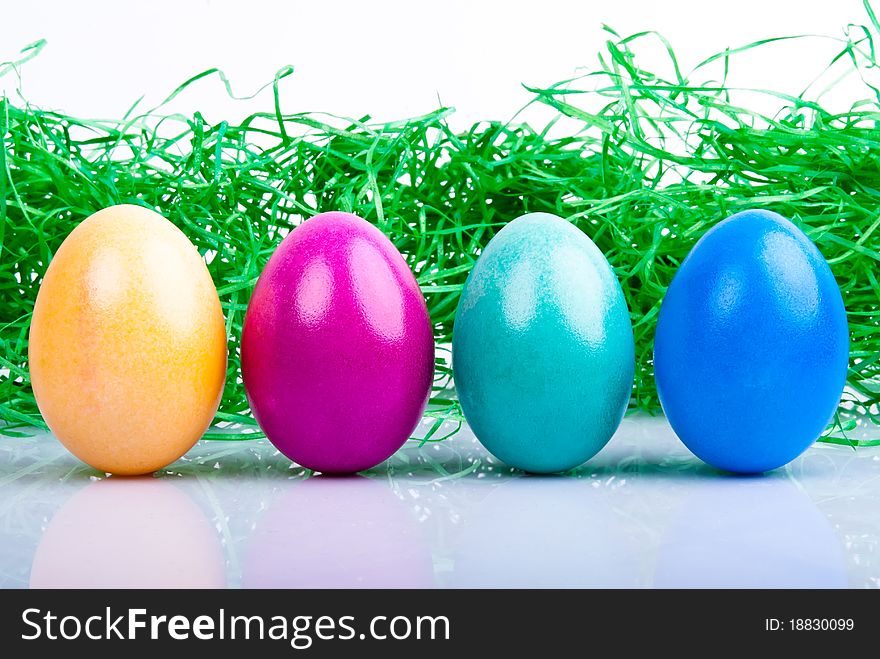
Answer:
[(644, 163)]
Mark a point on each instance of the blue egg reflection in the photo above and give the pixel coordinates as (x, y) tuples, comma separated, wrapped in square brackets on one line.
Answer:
[(751, 532)]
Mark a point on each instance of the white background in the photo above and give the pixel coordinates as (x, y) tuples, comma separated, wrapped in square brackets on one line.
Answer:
[(389, 58)]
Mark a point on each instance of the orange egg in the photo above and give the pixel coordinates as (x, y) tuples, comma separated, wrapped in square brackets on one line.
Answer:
[(127, 344)]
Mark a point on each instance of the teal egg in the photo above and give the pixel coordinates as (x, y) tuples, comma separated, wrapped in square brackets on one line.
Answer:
[(542, 346)]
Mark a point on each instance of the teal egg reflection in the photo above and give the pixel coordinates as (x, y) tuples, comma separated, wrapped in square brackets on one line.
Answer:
[(540, 532), (542, 346)]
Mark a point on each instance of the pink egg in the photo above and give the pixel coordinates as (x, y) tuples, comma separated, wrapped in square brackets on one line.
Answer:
[(337, 349)]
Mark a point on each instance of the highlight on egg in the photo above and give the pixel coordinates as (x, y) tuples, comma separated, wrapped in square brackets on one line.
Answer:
[(337, 346), (127, 345), (752, 345), (542, 348)]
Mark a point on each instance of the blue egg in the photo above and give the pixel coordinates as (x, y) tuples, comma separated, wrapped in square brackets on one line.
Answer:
[(542, 346), (752, 346)]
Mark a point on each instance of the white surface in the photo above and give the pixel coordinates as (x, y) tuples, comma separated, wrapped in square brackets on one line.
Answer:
[(390, 58), (643, 513)]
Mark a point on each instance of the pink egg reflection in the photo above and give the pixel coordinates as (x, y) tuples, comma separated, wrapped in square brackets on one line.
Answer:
[(330, 532), (129, 533)]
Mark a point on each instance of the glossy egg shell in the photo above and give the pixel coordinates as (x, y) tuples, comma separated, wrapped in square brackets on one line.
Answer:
[(127, 347), (752, 346), (543, 352), (337, 346)]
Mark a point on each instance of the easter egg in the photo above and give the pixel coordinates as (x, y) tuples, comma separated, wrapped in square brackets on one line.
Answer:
[(542, 346), (751, 348), (337, 347), (127, 346)]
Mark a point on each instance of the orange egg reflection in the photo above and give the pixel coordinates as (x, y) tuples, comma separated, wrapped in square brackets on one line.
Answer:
[(129, 533)]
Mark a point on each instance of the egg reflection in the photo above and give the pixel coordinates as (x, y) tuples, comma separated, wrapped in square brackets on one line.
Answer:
[(331, 532), (545, 532), (749, 533), (129, 533)]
